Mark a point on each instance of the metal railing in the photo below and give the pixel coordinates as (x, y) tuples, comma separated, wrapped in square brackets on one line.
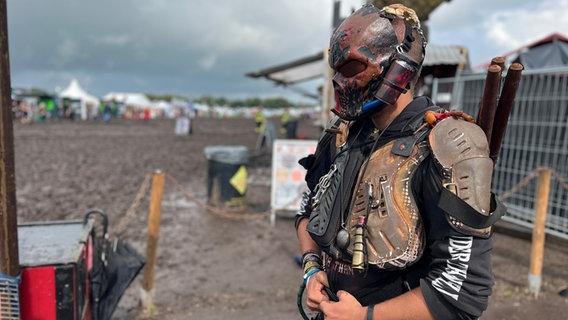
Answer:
[(537, 136)]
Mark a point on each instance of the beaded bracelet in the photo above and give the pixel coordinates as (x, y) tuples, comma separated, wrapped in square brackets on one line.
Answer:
[(311, 260)]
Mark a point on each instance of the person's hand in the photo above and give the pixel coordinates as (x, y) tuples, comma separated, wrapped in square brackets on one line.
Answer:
[(347, 308), (315, 292)]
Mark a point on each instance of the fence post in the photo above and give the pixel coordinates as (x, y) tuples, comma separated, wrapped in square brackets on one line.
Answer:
[(152, 243), (539, 233)]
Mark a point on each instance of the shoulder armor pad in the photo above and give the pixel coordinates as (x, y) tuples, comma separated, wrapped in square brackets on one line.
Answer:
[(453, 140), (461, 149)]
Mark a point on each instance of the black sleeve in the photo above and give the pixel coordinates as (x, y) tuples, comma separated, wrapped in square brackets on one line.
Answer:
[(460, 277)]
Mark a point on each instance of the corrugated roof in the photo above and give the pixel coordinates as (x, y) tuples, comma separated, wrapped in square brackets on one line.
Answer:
[(445, 55), (295, 71)]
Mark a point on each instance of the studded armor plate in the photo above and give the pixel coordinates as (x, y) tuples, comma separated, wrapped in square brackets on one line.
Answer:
[(394, 236)]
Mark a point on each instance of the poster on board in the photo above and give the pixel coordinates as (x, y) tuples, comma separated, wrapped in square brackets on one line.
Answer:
[(287, 174)]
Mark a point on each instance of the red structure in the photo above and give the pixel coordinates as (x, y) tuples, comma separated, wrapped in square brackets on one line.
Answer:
[(55, 260)]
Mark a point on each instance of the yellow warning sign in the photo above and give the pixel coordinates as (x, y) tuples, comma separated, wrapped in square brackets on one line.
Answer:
[(239, 180)]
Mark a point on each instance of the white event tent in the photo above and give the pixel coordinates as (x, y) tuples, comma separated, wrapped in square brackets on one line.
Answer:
[(87, 101), (129, 99), (157, 108)]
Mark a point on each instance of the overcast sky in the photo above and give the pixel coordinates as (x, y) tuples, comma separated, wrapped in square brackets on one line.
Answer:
[(205, 47)]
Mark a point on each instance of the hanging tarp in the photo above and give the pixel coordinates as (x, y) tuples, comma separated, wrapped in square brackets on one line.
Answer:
[(115, 265), (548, 55)]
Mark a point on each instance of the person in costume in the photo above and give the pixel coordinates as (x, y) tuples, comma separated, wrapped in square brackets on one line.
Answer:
[(397, 219)]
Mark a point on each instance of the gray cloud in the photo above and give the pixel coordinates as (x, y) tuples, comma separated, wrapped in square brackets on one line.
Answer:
[(491, 28), (176, 46), (197, 47)]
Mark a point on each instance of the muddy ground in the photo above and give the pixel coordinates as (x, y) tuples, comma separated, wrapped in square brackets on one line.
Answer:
[(210, 266)]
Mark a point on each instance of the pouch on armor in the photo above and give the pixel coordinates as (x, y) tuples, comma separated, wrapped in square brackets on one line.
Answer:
[(461, 150)]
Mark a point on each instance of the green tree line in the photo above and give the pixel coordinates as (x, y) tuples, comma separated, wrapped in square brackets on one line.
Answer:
[(271, 103)]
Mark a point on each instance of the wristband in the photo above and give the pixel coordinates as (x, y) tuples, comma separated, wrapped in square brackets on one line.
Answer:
[(311, 264), (311, 260), (370, 312), (309, 274)]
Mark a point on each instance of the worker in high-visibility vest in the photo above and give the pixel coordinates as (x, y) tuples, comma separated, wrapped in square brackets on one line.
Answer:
[(284, 118), (260, 121)]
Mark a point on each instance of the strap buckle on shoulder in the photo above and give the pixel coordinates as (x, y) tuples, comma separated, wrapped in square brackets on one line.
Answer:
[(404, 146)]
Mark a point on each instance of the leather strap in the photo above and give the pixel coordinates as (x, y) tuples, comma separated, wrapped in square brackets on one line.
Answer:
[(459, 209)]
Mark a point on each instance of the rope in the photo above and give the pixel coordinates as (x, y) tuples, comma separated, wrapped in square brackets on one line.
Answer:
[(121, 226), (560, 180), (533, 174), (231, 214), (525, 181), (238, 214)]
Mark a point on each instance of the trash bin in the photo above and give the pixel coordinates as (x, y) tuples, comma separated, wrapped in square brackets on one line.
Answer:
[(227, 175)]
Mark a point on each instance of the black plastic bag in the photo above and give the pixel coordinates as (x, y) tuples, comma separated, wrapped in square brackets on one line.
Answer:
[(115, 265)]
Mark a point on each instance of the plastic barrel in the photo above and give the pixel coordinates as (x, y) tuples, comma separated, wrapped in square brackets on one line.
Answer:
[(226, 175)]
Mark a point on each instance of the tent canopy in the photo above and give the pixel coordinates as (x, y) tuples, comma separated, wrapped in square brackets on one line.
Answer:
[(551, 51), (75, 92), (293, 72), (129, 99)]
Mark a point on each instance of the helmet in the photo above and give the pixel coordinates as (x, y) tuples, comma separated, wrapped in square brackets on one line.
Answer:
[(375, 54)]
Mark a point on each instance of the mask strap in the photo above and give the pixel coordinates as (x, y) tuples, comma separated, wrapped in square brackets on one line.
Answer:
[(406, 43)]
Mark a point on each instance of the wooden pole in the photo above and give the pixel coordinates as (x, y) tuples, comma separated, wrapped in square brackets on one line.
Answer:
[(500, 61), (152, 243), (9, 259), (504, 107), (488, 105), (539, 233)]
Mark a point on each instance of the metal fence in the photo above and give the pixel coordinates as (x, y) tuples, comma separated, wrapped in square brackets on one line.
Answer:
[(536, 137)]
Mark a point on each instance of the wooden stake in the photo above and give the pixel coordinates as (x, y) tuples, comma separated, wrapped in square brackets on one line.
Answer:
[(488, 105), (152, 243), (539, 233), (504, 107)]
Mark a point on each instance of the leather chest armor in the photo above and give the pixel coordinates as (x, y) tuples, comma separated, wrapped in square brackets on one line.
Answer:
[(394, 232)]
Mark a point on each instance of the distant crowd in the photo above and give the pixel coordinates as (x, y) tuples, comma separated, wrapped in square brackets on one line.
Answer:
[(44, 111)]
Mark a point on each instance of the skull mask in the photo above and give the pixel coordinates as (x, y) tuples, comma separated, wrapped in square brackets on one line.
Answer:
[(361, 49)]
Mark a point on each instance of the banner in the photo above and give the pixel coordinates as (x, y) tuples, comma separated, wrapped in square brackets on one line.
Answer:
[(287, 174)]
